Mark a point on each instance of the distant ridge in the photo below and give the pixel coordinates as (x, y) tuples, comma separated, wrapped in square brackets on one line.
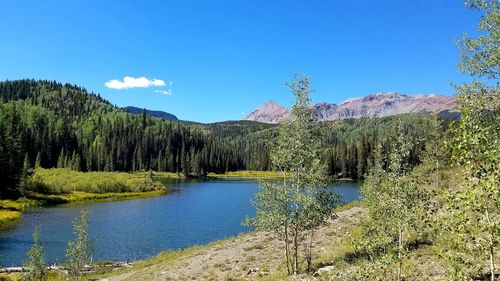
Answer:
[(374, 105), (154, 113)]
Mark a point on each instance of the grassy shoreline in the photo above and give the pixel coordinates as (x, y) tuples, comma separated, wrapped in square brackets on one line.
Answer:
[(11, 210), (259, 175), (79, 196), (61, 186), (247, 174)]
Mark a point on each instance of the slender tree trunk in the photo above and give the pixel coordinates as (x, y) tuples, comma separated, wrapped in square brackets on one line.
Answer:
[(287, 253), (492, 262), (296, 251), (309, 250), (492, 249), (400, 250), (296, 230), (437, 174), (287, 250)]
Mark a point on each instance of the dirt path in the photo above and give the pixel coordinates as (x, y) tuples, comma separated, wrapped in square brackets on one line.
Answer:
[(246, 256)]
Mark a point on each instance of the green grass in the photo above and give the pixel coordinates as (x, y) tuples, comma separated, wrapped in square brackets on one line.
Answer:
[(247, 174), (349, 205), (11, 210), (55, 186), (51, 276), (61, 181), (79, 196), (58, 186), (18, 205), (159, 175), (8, 217)]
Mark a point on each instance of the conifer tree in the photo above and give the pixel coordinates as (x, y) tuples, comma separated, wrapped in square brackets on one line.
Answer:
[(25, 176), (61, 159), (38, 161)]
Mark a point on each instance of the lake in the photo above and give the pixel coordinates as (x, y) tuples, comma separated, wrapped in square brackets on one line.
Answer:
[(195, 212)]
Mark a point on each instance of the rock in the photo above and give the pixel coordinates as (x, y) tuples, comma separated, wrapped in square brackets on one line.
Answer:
[(11, 269), (251, 271), (323, 270)]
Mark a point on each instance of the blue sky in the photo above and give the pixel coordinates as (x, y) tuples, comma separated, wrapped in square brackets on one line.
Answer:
[(220, 59)]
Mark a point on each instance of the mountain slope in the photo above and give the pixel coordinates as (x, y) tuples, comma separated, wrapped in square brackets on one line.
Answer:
[(153, 113), (269, 112), (375, 105), (387, 104)]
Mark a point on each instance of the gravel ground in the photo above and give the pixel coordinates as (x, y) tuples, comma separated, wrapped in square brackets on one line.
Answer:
[(244, 257)]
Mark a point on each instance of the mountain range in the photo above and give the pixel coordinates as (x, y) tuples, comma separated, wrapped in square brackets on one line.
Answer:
[(374, 105)]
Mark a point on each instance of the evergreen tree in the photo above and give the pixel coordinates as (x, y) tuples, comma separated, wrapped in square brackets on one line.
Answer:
[(61, 160), (185, 164), (25, 176), (38, 161), (75, 162)]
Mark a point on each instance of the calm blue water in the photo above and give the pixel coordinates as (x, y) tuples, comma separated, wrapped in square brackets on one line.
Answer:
[(195, 212)]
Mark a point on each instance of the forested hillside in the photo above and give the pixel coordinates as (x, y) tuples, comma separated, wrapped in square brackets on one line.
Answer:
[(49, 124), (153, 113)]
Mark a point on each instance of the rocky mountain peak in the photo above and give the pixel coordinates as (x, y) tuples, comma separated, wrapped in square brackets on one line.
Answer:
[(373, 105), (269, 112)]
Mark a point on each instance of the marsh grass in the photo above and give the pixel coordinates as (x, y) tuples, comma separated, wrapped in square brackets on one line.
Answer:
[(11, 210), (85, 197), (60, 186), (247, 174), (63, 181), (8, 217)]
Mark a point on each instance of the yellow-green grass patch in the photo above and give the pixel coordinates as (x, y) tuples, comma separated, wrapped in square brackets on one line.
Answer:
[(247, 174), (79, 196), (9, 216)]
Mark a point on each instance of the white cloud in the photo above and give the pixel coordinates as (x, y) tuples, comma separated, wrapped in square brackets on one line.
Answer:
[(165, 92), (131, 82)]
